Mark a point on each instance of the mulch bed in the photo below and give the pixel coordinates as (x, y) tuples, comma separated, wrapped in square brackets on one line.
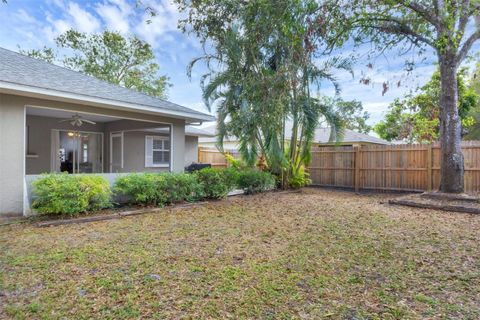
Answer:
[(115, 215)]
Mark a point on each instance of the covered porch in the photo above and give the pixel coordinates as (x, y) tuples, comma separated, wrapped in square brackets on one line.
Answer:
[(41, 136), (59, 140)]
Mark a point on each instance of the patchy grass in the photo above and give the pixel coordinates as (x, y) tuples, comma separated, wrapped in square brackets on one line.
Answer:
[(309, 255)]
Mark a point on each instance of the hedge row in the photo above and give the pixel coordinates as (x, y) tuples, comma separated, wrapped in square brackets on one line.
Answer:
[(72, 194)]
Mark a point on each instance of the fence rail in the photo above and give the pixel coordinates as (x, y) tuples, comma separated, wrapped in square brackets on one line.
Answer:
[(414, 167)]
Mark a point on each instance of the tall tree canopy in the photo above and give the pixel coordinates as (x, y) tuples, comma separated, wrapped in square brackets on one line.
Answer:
[(416, 118), (446, 27), (351, 113), (264, 72), (475, 79), (128, 62)]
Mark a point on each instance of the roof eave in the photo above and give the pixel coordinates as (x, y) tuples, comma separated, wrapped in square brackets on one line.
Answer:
[(42, 93)]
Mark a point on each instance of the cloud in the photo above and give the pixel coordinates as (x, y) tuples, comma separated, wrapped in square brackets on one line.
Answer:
[(83, 21), (116, 15), (72, 17), (24, 17), (164, 22)]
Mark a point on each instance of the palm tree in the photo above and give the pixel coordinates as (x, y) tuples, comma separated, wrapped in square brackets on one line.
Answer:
[(260, 79)]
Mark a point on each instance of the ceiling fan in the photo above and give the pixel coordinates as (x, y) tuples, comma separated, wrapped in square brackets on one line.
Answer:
[(77, 121)]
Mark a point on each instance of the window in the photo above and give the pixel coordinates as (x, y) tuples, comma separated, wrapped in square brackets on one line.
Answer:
[(157, 151)]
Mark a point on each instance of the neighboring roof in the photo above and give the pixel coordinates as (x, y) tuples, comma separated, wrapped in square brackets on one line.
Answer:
[(197, 132), (322, 135), (19, 73)]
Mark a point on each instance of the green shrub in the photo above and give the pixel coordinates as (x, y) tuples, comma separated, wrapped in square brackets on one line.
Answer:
[(230, 176), (254, 181), (299, 178), (215, 183), (97, 190), (143, 188), (234, 162), (183, 187), (159, 188), (70, 194)]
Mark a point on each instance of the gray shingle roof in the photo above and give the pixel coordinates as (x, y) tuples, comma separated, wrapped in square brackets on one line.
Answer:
[(198, 132), (18, 69)]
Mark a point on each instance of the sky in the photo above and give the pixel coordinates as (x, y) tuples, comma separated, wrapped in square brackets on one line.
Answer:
[(30, 24)]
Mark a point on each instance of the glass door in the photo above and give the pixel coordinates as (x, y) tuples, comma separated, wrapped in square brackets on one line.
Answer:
[(116, 152), (78, 151)]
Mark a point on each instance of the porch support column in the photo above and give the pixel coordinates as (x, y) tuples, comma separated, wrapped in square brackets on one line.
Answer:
[(12, 155), (178, 146)]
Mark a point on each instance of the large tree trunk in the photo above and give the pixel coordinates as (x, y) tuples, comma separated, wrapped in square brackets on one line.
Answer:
[(451, 169)]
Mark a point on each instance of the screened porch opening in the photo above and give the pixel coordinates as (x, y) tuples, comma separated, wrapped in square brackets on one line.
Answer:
[(78, 143)]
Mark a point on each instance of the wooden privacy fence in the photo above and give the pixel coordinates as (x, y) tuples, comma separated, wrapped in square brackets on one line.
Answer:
[(215, 157), (413, 167), (406, 167)]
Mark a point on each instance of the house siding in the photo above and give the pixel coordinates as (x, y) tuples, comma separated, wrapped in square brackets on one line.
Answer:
[(134, 152), (12, 141), (178, 148), (191, 150)]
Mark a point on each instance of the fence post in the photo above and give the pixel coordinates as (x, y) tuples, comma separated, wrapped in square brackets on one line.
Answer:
[(357, 167), (429, 167)]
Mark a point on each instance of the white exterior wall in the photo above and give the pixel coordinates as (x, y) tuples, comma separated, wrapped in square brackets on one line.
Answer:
[(12, 155)]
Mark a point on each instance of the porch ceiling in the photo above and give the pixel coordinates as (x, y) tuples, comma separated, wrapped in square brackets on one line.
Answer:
[(62, 114)]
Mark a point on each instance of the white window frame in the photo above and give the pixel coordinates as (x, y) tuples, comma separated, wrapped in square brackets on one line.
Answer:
[(160, 165)]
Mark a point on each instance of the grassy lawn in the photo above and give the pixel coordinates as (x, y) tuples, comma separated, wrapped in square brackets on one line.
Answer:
[(308, 255)]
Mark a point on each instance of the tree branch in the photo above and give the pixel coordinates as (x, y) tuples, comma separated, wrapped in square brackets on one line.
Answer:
[(464, 16), (421, 10), (467, 46), (395, 26)]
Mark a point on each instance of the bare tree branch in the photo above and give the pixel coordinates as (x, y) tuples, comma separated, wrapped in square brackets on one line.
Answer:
[(395, 26), (422, 11), (467, 46), (464, 16), (435, 7)]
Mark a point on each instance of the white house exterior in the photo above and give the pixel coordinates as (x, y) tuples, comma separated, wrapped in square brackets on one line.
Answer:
[(120, 130)]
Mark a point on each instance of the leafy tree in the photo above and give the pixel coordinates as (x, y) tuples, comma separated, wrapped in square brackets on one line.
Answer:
[(475, 79), (47, 54), (416, 118), (351, 113), (446, 27), (128, 62), (261, 72), (474, 85)]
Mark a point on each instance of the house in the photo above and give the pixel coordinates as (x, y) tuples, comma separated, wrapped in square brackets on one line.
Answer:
[(53, 119), (322, 138)]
